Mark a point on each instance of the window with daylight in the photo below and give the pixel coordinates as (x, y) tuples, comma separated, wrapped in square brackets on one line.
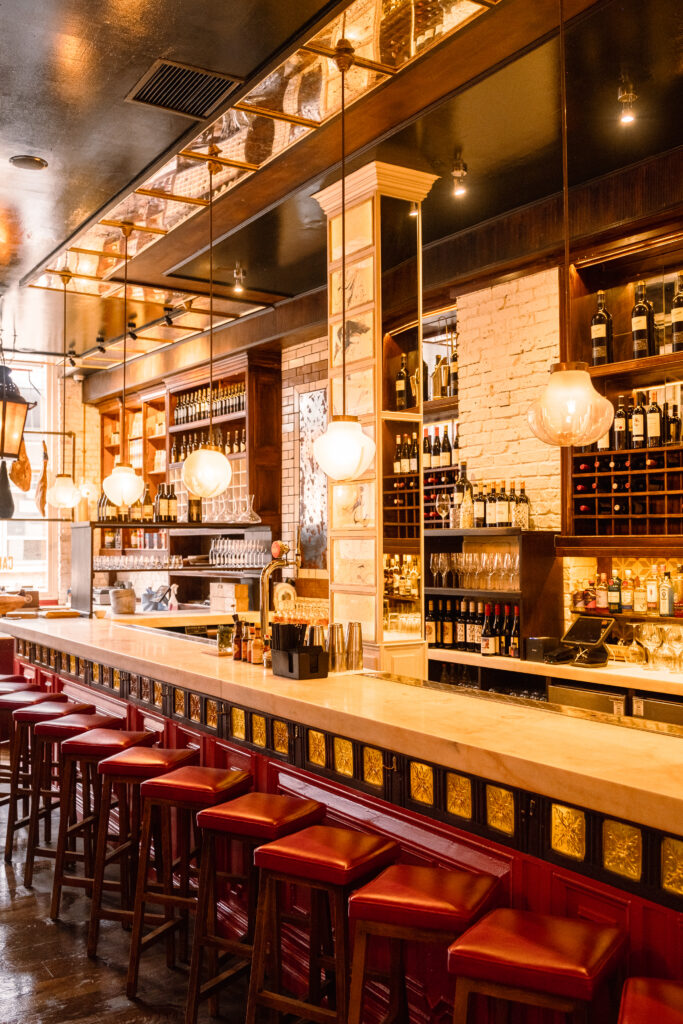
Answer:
[(28, 544)]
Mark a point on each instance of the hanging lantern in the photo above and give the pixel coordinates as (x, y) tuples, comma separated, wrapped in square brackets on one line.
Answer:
[(13, 410), (570, 411)]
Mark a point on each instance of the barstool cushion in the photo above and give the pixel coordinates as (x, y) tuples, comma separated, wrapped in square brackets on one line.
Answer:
[(193, 784), (50, 709), (15, 686), (105, 742), (411, 895), (145, 762), (651, 1001), (262, 816), (323, 853), (14, 677), (558, 955), (75, 723), (27, 698)]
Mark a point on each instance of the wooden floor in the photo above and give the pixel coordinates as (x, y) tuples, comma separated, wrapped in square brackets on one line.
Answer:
[(46, 978)]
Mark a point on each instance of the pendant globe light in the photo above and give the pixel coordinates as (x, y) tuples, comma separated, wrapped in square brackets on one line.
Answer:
[(63, 493), (569, 410), (343, 451), (207, 472), (123, 486)]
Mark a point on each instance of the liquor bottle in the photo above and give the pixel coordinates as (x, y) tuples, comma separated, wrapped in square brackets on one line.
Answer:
[(619, 427), (172, 505), (638, 423), (652, 591), (514, 650), (479, 625), (603, 443), (491, 505), (653, 423), (489, 640), (136, 511), (461, 627), (505, 631), (639, 596), (397, 456), (436, 450), (400, 386), (414, 455), (243, 440), (446, 450), (453, 374), (601, 333), (673, 431), (601, 602), (430, 625), (480, 506), (521, 513), (447, 627), (642, 325), (502, 507), (678, 592), (472, 628), (614, 595), (426, 450), (666, 595), (627, 592), (677, 316), (405, 455), (237, 640)]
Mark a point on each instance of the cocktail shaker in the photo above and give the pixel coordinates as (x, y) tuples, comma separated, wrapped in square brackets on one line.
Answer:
[(354, 647), (336, 647)]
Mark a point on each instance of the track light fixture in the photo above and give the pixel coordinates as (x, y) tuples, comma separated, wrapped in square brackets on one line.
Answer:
[(239, 275), (168, 317), (131, 330), (413, 211), (72, 361), (626, 96), (459, 174), (99, 341)]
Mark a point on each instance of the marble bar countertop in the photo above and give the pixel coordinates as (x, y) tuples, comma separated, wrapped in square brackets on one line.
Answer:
[(585, 759)]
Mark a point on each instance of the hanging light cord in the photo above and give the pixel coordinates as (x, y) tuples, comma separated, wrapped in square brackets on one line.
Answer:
[(566, 334), (66, 277), (344, 55), (126, 229), (211, 166)]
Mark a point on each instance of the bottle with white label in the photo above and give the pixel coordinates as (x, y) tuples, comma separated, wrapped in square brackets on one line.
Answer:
[(446, 450), (601, 602), (653, 422), (677, 316), (502, 507), (491, 505), (601, 333), (638, 423), (666, 595), (642, 325), (652, 591), (619, 427), (627, 592), (480, 506), (488, 639)]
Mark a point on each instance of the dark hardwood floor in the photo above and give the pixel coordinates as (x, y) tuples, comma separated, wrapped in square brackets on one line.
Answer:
[(46, 977)]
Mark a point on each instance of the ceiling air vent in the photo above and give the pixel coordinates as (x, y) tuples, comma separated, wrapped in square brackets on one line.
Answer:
[(182, 89)]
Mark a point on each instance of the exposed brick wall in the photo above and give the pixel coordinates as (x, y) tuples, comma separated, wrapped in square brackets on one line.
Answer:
[(508, 337)]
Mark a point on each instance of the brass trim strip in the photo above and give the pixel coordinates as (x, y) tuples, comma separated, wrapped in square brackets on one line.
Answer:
[(133, 227), (157, 193), (361, 62), (84, 277), (97, 252), (277, 115), (224, 161)]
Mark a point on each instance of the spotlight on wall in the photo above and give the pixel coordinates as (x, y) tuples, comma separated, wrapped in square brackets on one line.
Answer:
[(100, 343), (413, 211), (627, 96), (459, 175), (168, 318), (239, 275), (131, 330)]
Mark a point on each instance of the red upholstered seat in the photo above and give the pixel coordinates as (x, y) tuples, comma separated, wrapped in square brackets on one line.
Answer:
[(262, 816), (51, 709), (15, 686), (423, 897), (14, 677), (322, 853), (202, 787), (73, 724), (27, 698), (106, 742), (651, 1001), (145, 762), (558, 955)]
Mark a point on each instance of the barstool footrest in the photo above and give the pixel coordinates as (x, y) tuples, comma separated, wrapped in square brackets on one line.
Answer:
[(288, 1004), (211, 986)]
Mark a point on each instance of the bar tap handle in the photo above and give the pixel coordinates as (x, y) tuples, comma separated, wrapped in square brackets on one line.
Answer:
[(297, 557)]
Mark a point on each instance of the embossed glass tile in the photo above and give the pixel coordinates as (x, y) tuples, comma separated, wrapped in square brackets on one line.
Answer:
[(158, 695), (280, 737), (146, 689), (568, 831), (458, 795), (343, 756), (258, 730), (421, 783), (96, 675), (212, 714), (372, 766), (179, 702), (116, 677), (622, 849), (238, 723), (672, 865), (316, 748), (500, 809), (195, 707)]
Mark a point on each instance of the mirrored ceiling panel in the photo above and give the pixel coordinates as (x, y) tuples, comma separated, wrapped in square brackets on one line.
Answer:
[(79, 285), (249, 138)]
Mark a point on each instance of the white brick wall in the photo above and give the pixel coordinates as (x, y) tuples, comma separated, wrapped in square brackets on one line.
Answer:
[(508, 337), (74, 421)]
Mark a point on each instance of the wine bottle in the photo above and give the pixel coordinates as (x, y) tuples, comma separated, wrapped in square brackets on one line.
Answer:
[(461, 627), (502, 507), (397, 455), (414, 454), (642, 325), (601, 333), (163, 504), (491, 504), (447, 627), (488, 641), (653, 422), (426, 450), (498, 630), (405, 455), (521, 513), (479, 625), (677, 316), (471, 628), (638, 423), (674, 427), (243, 440), (436, 450), (619, 427), (480, 506), (514, 641), (446, 450), (453, 375), (136, 511), (172, 505), (430, 625), (506, 632), (400, 386)]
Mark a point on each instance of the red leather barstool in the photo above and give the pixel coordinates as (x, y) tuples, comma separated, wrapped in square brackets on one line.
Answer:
[(14, 684), (651, 1001), (412, 903), (184, 791), (9, 703), (122, 776), (330, 862), (558, 963), (24, 721), (47, 773), (251, 820), (9, 685), (81, 755)]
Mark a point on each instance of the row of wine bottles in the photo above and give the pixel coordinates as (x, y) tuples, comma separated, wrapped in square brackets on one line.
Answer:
[(163, 508), (641, 426), (221, 400), (234, 443), (628, 463), (608, 507), (621, 484), (444, 381), (642, 327), (480, 628)]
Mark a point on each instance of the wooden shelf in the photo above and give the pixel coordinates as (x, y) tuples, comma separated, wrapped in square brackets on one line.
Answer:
[(440, 408), (669, 620), (481, 531), (651, 370), (624, 545), (185, 428), (492, 596), (157, 440)]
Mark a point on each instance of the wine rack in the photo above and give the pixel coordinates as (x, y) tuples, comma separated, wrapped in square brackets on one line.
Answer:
[(436, 481), (401, 501)]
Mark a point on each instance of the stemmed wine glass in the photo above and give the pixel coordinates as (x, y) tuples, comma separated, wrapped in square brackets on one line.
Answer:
[(676, 644), (444, 566), (650, 636), (434, 566), (443, 506)]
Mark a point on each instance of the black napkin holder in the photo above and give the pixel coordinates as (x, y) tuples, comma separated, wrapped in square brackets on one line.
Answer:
[(301, 663)]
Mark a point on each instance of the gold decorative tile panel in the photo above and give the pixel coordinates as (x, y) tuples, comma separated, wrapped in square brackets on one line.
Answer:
[(343, 756), (158, 695), (212, 714), (372, 766), (622, 849), (116, 679), (458, 795), (672, 865), (146, 689), (421, 783), (238, 723), (96, 675), (72, 665), (258, 730), (179, 702), (568, 831), (316, 748), (195, 707), (280, 737), (500, 809)]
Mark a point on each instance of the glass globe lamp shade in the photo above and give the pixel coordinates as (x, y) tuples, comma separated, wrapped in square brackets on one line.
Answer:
[(123, 486), (344, 452), (570, 411), (63, 493), (207, 472), (87, 489)]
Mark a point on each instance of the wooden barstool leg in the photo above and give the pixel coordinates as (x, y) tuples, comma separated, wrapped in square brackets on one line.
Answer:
[(315, 946), (204, 926), (167, 846), (44, 752), (210, 924), (15, 768), (462, 998), (139, 913), (34, 819), (99, 868), (398, 1006), (340, 919), (183, 819), (127, 878), (66, 800), (262, 932), (360, 944)]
